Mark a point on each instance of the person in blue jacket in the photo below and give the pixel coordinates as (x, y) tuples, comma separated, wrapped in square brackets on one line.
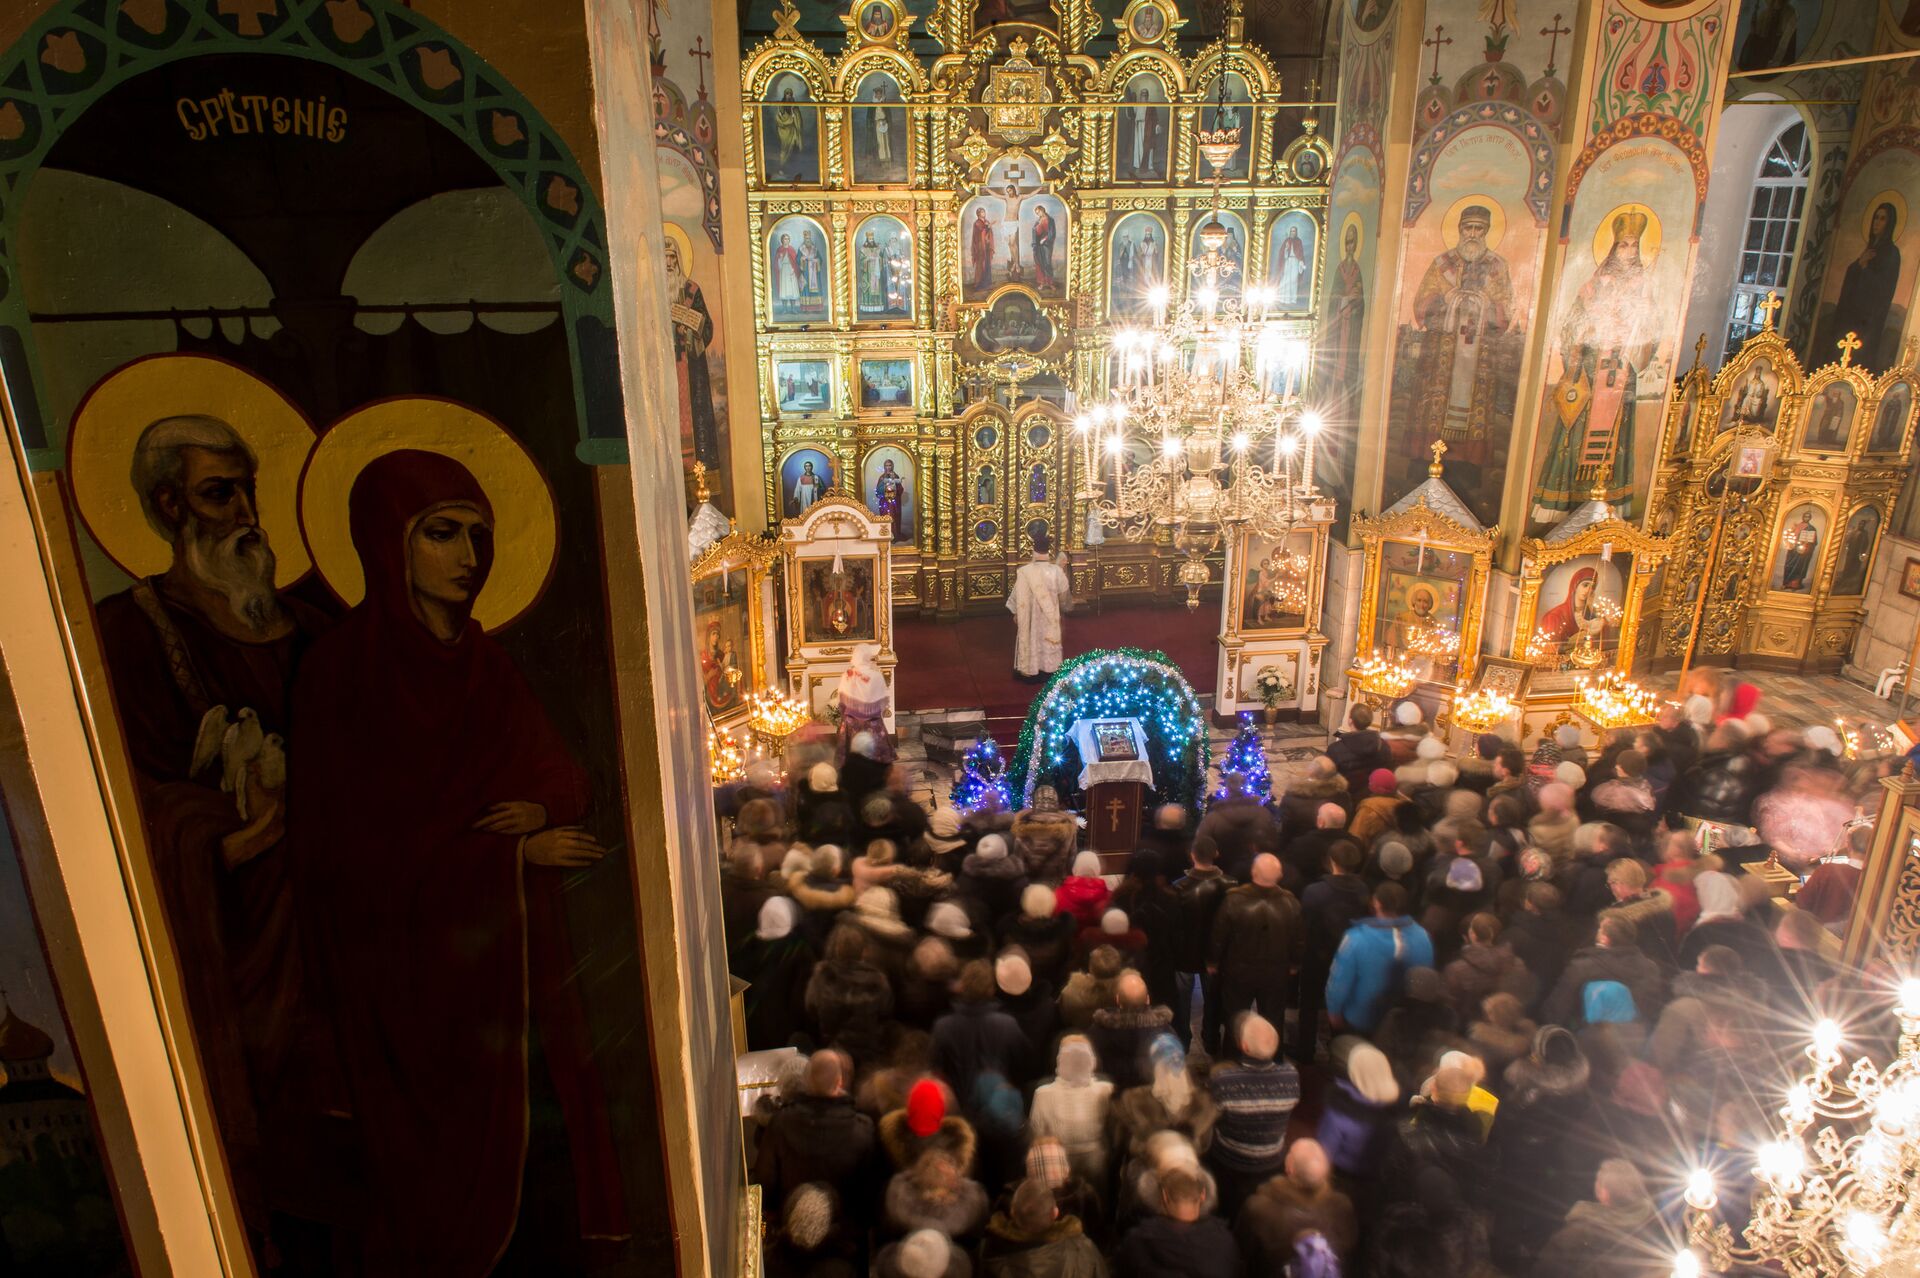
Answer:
[(1370, 967)]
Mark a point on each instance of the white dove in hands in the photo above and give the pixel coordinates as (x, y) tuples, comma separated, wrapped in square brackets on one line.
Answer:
[(565, 847), (513, 817)]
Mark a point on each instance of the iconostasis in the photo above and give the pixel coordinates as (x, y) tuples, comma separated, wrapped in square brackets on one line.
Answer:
[(946, 246)]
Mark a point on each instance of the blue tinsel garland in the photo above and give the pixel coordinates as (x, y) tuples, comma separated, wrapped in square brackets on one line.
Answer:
[(1116, 683)]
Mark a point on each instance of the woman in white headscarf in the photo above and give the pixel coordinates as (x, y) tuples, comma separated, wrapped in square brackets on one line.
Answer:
[(863, 697), (1072, 1108), (1724, 901)]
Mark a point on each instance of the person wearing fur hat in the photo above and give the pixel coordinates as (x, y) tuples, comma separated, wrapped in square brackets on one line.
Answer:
[(814, 1240), (923, 1124), (817, 1136), (925, 1253), (1044, 836), (977, 1037), (1181, 1238), (1092, 988), (1031, 1239), (1084, 893), (933, 1195), (1376, 813), (1072, 1108), (1043, 932), (943, 843), (776, 962), (992, 877), (1122, 1033), (1258, 938), (820, 891), (848, 999)]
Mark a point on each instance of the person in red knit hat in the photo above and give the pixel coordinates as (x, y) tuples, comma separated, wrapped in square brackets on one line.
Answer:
[(924, 1124), (1084, 893)]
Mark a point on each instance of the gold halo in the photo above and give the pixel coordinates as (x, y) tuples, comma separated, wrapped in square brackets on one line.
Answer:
[(681, 242), (524, 528), (1359, 224), (126, 401), (1496, 220), (1649, 239), (1888, 196)]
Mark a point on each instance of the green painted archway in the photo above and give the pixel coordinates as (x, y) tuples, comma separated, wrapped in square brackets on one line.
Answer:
[(82, 49)]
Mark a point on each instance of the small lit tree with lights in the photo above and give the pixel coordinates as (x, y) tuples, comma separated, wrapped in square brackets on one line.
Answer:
[(1246, 758), (983, 778)]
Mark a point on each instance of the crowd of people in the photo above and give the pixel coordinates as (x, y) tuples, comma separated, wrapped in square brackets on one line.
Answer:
[(1415, 1014)]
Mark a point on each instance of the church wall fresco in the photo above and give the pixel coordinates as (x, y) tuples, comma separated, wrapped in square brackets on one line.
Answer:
[(1628, 230), (1475, 221), (353, 598)]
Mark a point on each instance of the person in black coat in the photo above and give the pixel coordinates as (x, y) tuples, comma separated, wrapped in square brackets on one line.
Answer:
[(776, 961), (1615, 955), (1150, 906), (818, 1136), (1540, 936), (1196, 899), (977, 1037), (1438, 1135), (1723, 784), (1328, 907), (1357, 752), (1180, 1239), (1541, 1146)]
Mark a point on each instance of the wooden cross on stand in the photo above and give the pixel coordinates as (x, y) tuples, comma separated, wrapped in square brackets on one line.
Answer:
[(1114, 808), (700, 55), (1434, 43), (1771, 305), (1553, 34), (1848, 345)]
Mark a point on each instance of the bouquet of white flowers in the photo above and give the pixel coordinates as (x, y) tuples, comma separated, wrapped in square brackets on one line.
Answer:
[(1273, 686)]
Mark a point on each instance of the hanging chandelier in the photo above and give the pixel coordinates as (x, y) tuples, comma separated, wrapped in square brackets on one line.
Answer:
[(1196, 424), (1836, 1193)]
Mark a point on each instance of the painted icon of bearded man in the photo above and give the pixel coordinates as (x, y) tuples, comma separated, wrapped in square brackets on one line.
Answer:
[(1465, 299)]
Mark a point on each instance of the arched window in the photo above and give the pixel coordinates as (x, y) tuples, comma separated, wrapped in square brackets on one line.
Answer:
[(1773, 231)]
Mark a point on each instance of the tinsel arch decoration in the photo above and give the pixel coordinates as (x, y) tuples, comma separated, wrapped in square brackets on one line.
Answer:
[(1116, 683)]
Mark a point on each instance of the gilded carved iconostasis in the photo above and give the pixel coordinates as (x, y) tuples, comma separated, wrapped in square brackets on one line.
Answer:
[(951, 224)]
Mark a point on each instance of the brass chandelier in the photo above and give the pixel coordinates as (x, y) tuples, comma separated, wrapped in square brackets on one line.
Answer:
[(1211, 390), (1839, 1183)]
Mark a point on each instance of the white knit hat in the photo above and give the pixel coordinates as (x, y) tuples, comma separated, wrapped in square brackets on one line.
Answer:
[(1570, 773), (1115, 923), (1407, 714), (1442, 773), (1037, 901), (823, 779), (923, 1254), (1431, 748), (1087, 865), (948, 920), (991, 848)]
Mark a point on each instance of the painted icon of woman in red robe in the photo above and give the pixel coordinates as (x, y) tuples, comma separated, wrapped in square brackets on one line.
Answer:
[(438, 811), (1573, 615)]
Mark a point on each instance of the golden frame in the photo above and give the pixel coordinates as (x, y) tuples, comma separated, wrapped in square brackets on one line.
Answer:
[(754, 555), (1603, 538), (1422, 525), (856, 384)]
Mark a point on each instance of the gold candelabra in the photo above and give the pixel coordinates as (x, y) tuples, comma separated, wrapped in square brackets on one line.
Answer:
[(1384, 677), (773, 716), (1435, 642), (728, 759), (1613, 700), (1483, 709), (1842, 1204)]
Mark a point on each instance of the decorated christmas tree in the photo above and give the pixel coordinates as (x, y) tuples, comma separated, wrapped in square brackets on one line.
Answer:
[(1246, 758), (983, 778)]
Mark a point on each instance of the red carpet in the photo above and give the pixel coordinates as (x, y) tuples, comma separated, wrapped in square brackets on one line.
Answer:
[(952, 665)]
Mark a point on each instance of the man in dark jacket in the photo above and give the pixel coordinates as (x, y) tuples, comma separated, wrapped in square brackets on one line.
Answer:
[(1540, 937), (976, 1037), (1303, 1200), (1170, 839), (1723, 784), (1613, 1235), (743, 890), (1328, 908), (1299, 808), (1122, 1033), (1031, 1239), (817, 1136), (1257, 938), (1181, 1238), (1197, 897), (1303, 858), (1240, 826), (1615, 955), (1441, 1135), (1357, 752)]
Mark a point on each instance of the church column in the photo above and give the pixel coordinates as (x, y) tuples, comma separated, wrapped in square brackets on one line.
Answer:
[(743, 369)]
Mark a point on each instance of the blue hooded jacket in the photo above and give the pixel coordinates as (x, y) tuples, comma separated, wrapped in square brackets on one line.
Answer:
[(1369, 971)]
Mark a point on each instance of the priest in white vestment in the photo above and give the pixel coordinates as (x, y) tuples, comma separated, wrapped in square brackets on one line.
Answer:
[(1040, 588)]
